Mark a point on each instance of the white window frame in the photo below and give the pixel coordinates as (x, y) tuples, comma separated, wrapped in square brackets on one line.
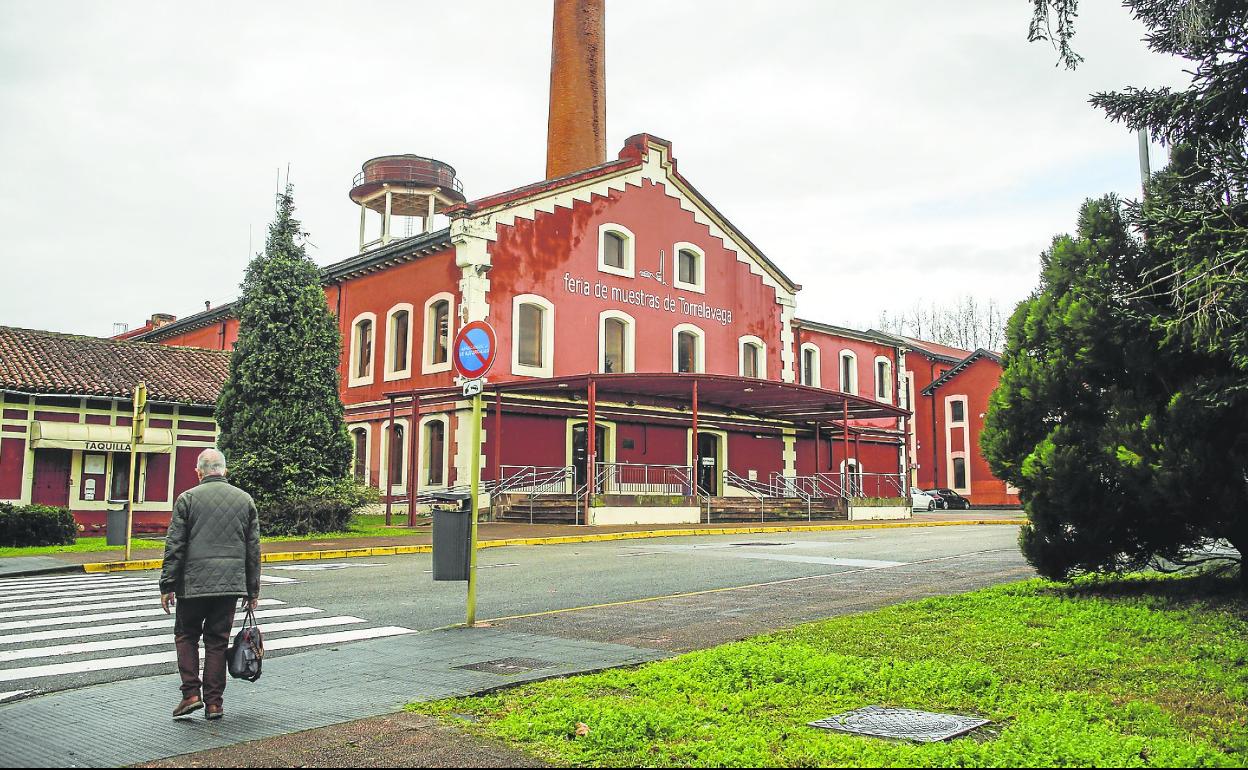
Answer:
[(548, 337), (630, 256), (368, 448), (816, 379), (383, 476), (853, 371), (353, 360), (429, 334), (964, 453), (699, 366), (630, 339), (422, 467), (698, 287), (390, 372), (750, 339), (888, 376)]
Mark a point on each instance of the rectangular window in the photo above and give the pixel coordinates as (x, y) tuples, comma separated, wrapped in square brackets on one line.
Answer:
[(957, 411), (750, 367), (881, 379), (398, 341), (687, 267), (118, 489), (530, 333), (396, 455), (847, 374), (808, 367), (686, 352), (959, 473), (435, 450), (613, 250), (364, 348), (440, 321), (361, 455), (613, 339)]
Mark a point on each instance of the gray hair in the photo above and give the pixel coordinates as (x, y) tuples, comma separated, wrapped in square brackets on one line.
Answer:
[(211, 463)]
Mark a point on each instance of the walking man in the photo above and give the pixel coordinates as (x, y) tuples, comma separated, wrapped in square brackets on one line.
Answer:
[(212, 558)]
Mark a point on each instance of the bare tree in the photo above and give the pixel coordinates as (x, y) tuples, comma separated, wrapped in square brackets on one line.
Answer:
[(967, 323)]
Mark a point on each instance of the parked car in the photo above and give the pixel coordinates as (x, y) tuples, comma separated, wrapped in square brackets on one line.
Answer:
[(953, 501), (941, 505), (921, 501)]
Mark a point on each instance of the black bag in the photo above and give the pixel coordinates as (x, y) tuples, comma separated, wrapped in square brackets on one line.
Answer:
[(247, 653)]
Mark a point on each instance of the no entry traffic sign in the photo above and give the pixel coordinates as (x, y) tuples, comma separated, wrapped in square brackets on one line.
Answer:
[(475, 349)]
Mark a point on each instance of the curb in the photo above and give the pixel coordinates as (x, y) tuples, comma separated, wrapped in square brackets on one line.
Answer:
[(399, 550)]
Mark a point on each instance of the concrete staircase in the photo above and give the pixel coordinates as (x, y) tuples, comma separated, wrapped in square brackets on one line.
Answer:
[(546, 509), (747, 510)]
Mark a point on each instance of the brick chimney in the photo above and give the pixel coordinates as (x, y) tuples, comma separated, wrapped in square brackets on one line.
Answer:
[(160, 319), (576, 136)]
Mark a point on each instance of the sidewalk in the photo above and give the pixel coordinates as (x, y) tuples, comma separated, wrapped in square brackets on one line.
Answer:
[(127, 722), (497, 534)]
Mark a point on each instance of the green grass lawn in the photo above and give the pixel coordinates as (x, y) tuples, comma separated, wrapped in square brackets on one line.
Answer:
[(1137, 672), (363, 526), (84, 545)]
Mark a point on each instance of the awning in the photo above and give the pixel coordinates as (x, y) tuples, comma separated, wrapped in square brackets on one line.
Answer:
[(97, 438)]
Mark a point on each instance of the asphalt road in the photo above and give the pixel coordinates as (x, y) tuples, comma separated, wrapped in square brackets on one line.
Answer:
[(671, 593)]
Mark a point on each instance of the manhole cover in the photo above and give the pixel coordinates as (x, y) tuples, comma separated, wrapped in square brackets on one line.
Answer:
[(902, 724), (759, 544), (506, 666)]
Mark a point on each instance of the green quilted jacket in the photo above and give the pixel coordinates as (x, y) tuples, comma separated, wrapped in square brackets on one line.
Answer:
[(213, 546)]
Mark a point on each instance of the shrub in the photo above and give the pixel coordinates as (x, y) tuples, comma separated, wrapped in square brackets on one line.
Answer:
[(328, 508), (30, 525)]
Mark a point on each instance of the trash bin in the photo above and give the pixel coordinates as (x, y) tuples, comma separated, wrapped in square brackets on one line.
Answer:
[(452, 533), (118, 520)]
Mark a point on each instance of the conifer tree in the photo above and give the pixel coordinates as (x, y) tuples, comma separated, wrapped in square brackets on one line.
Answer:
[(280, 415)]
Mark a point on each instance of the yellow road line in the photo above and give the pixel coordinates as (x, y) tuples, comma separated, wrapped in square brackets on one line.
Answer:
[(397, 550)]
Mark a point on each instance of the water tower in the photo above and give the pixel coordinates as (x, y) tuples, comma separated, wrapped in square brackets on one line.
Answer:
[(403, 187)]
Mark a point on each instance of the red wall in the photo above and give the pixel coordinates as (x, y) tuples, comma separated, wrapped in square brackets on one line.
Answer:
[(218, 336), (534, 256), (410, 282)]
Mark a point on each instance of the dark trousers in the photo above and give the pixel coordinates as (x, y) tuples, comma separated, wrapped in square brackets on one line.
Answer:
[(212, 618)]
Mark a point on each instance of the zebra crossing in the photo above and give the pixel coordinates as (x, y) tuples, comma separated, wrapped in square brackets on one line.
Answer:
[(66, 625)]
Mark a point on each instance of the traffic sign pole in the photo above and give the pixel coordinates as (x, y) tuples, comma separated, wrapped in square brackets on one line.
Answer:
[(476, 509), (475, 348)]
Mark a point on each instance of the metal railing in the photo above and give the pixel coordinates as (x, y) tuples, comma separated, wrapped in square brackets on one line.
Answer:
[(534, 481), (759, 490), (635, 478), (433, 177), (873, 484)]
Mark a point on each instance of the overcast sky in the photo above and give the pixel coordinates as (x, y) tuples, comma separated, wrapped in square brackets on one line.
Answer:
[(881, 153)]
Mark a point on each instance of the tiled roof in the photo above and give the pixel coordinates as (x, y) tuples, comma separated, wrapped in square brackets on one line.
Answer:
[(936, 350), (50, 362)]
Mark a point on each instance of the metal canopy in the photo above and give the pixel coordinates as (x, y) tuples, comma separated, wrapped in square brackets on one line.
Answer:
[(746, 395)]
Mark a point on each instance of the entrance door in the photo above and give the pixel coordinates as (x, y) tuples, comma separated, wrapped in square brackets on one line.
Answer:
[(580, 450), (708, 463), (51, 477)]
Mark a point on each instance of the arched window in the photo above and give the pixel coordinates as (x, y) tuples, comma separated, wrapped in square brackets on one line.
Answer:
[(616, 334), (615, 249), (399, 342), (753, 357), (437, 345), (883, 379), (359, 454), (533, 341), (361, 369), (690, 267), (396, 465), (810, 365), (849, 372), (688, 355), (434, 460)]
